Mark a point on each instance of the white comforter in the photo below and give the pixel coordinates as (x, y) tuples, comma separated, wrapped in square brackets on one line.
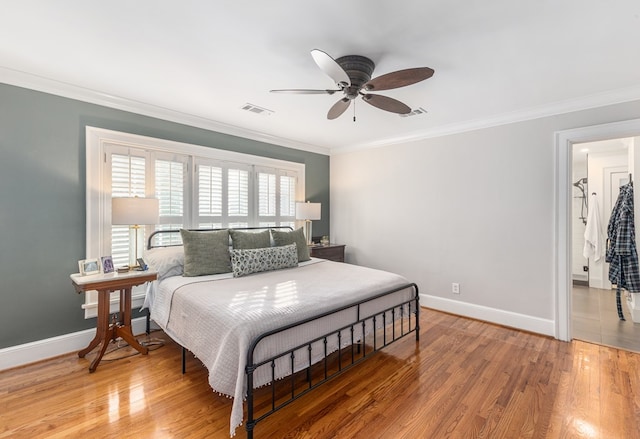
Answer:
[(217, 317)]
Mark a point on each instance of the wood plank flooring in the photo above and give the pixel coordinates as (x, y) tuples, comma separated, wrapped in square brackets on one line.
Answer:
[(465, 379)]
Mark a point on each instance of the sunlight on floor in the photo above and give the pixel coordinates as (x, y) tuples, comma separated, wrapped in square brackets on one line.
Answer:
[(586, 429)]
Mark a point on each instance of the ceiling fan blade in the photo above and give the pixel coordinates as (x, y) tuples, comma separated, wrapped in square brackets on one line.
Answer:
[(303, 91), (386, 103), (399, 78), (330, 67), (338, 108)]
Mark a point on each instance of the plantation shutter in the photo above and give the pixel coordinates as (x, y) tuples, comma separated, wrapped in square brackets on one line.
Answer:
[(222, 194), (170, 189), (288, 196), (276, 193), (209, 196), (238, 196)]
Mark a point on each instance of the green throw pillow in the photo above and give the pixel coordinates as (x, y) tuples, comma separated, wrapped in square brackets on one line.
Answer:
[(243, 239), (206, 252), (295, 237)]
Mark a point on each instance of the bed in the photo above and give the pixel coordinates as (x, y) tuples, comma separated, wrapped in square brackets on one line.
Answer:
[(264, 327)]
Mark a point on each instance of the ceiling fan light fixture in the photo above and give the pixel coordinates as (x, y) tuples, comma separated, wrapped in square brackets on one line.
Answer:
[(352, 75)]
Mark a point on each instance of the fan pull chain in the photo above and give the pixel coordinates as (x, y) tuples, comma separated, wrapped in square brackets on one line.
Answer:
[(354, 110)]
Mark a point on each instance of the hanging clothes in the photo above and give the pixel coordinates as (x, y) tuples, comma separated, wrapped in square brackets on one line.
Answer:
[(593, 236), (622, 254)]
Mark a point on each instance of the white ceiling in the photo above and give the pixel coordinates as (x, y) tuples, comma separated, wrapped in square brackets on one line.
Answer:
[(199, 62)]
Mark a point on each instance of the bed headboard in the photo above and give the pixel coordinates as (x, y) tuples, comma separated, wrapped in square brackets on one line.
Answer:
[(174, 235)]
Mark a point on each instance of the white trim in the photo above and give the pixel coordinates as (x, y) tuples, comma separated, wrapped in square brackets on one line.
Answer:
[(100, 136), (564, 141), (39, 83), (493, 315), (20, 355), (583, 103), (99, 141)]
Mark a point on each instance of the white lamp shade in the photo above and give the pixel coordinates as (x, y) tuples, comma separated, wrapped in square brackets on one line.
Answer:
[(308, 211), (134, 211)]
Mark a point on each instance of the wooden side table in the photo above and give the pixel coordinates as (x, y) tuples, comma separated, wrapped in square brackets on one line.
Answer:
[(104, 284), (333, 252)]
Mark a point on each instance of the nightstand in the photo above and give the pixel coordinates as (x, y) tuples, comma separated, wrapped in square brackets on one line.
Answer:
[(104, 284), (333, 252)]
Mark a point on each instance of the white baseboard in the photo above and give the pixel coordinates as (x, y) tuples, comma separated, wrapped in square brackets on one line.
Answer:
[(52, 347), (498, 316)]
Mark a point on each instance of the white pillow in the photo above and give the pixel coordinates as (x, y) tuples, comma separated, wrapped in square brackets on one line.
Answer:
[(167, 261)]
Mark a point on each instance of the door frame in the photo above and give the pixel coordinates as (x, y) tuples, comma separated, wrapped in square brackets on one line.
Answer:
[(564, 141)]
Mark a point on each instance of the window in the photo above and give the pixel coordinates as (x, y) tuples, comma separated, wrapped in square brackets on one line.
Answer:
[(197, 187), (171, 189), (276, 189), (223, 194)]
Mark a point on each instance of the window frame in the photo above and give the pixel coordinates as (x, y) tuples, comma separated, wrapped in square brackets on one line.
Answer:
[(98, 188)]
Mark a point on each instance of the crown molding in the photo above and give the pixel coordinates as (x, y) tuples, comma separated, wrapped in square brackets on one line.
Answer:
[(71, 91), (39, 83), (611, 97)]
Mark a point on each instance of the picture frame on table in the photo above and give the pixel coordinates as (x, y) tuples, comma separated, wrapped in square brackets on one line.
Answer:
[(107, 264), (89, 266), (142, 265)]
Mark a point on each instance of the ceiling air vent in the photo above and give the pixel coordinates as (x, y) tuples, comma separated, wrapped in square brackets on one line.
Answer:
[(415, 112), (258, 110)]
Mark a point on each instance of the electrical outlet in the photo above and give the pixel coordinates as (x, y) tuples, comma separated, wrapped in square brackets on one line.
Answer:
[(455, 288)]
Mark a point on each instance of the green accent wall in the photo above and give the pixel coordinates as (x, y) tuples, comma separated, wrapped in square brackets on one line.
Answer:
[(42, 201)]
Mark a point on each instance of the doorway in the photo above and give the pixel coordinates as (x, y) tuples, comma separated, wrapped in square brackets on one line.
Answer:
[(598, 171), (564, 141)]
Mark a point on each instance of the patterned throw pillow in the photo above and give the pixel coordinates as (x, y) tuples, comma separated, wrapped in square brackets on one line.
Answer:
[(205, 252), (247, 261), (297, 237), (243, 239)]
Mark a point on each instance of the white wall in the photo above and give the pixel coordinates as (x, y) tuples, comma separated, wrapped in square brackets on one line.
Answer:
[(475, 208)]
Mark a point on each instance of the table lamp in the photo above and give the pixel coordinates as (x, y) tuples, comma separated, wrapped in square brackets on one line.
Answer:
[(134, 212), (308, 212)]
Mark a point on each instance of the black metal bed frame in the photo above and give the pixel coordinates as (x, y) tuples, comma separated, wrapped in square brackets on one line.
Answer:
[(404, 319), (152, 236), (356, 354)]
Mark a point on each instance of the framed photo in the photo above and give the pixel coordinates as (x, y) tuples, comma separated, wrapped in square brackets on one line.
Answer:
[(107, 264), (89, 266), (142, 264)]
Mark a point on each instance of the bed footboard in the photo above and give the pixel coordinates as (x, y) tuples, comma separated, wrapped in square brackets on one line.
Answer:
[(339, 350)]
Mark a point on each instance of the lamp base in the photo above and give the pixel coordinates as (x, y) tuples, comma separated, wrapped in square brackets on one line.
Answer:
[(307, 231)]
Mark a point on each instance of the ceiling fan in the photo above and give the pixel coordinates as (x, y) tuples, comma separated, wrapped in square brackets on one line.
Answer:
[(352, 75)]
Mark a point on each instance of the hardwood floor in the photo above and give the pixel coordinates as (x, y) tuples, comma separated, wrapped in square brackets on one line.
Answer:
[(465, 379)]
